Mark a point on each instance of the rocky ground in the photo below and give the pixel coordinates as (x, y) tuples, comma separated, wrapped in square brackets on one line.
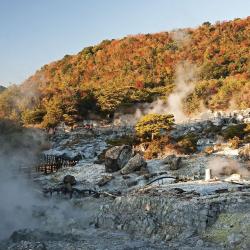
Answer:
[(162, 203)]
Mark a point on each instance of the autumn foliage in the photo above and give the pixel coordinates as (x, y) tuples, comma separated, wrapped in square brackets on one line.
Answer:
[(139, 68)]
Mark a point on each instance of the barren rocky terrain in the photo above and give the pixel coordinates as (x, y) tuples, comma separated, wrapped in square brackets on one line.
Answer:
[(115, 199)]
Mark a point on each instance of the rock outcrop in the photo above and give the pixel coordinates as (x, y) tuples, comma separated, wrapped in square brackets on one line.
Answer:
[(176, 219), (134, 164), (117, 157), (174, 162), (69, 179)]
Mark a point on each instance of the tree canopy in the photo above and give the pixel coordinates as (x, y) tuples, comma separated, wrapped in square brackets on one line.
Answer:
[(154, 125), (134, 69)]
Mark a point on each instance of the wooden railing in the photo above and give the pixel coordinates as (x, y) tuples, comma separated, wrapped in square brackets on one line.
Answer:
[(51, 163)]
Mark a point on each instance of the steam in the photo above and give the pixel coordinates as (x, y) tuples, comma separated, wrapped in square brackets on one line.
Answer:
[(185, 76), (22, 206), (221, 166), (181, 37), (184, 85), (18, 150)]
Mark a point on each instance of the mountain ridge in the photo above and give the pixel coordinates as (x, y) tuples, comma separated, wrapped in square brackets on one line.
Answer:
[(140, 68)]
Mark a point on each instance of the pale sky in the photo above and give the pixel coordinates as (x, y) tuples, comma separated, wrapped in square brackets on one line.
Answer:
[(36, 32)]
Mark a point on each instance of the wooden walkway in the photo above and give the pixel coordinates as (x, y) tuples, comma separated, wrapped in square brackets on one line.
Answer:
[(51, 163)]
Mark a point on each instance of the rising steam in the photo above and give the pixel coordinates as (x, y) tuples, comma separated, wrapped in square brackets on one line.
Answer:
[(184, 84), (222, 166), (19, 148)]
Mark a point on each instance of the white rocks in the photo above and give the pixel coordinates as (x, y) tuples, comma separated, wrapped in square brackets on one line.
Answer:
[(205, 142), (27, 245), (172, 218), (218, 121)]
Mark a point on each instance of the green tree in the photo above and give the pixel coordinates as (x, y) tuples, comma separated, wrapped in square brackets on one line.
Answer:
[(154, 125)]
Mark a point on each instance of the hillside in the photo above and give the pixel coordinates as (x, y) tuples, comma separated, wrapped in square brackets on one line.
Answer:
[(136, 69), (2, 88)]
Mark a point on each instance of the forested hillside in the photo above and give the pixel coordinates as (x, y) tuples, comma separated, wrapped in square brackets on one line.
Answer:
[(2, 88), (138, 68)]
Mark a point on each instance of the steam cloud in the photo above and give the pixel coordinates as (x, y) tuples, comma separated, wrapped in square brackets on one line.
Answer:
[(185, 76), (184, 85), (221, 166), (21, 206), (181, 37), (18, 149)]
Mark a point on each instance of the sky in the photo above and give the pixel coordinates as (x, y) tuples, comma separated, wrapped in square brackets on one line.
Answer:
[(37, 32)]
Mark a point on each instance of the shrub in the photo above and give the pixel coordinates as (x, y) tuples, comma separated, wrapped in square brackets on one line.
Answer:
[(235, 142), (246, 138), (33, 116), (156, 147), (187, 144), (209, 150), (127, 140), (237, 130)]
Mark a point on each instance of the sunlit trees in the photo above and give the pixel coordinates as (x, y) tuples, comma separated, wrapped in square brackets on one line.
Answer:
[(135, 69), (154, 125)]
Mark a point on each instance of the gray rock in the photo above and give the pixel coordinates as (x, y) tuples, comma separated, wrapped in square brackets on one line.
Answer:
[(27, 245), (173, 161), (234, 238), (104, 180), (204, 142), (69, 179), (172, 218), (117, 157), (218, 121), (135, 163)]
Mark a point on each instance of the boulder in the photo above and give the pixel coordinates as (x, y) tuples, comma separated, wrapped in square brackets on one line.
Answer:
[(104, 180), (117, 157), (173, 161), (69, 179), (71, 156), (135, 163)]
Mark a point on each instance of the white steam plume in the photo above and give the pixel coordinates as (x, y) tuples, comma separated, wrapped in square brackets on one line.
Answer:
[(184, 85), (222, 166), (19, 148)]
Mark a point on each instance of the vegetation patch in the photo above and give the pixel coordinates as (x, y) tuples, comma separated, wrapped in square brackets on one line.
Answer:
[(154, 126), (123, 140), (101, 78), (232, 131), (187, 144)]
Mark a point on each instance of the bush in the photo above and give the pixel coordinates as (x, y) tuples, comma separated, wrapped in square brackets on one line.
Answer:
[(246, 138), (187, 144), (234, 130), (235, 142), (209, 150), (124, 140), (33, 116), (156, 147)]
